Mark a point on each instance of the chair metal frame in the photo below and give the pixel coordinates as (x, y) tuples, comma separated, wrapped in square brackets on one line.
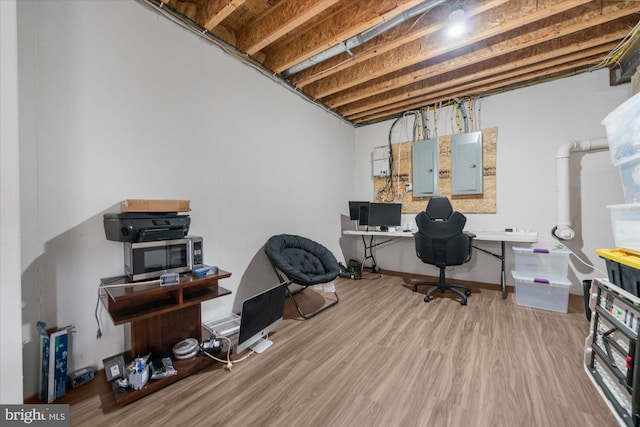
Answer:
[(285, 279)]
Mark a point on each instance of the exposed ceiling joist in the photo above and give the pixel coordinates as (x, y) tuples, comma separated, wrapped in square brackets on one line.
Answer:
[(390, 56)]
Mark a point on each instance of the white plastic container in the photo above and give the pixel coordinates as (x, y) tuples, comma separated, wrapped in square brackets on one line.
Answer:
[(630, 176), (552, 295), (623, 130), (625, 221), (536, 261)]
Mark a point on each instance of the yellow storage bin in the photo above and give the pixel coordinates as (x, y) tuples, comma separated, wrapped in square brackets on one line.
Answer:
[(623, 269)]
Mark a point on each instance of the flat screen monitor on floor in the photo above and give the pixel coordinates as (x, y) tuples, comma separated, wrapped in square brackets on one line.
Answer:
[(261, 314), (385, 215), (354, 210)]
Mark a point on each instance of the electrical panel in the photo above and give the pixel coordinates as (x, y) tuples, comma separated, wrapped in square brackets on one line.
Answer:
[(425, 168), (380, 162), (611, 349), (466, 163)]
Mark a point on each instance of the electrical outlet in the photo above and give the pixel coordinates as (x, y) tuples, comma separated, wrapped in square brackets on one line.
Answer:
[(408, 187)]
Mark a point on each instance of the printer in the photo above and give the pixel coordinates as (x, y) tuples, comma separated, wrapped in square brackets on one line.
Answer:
[(135, 227)]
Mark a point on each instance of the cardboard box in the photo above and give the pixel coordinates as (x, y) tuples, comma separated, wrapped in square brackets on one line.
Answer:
[(149, 205)]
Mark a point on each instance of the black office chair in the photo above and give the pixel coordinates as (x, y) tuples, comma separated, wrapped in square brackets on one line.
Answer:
[(441, 241), (298, 260)]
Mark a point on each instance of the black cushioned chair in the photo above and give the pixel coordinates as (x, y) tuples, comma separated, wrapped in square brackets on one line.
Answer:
[(441, 241), (298, 260)]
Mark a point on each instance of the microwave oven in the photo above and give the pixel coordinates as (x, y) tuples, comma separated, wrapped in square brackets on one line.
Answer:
[(149, 260)]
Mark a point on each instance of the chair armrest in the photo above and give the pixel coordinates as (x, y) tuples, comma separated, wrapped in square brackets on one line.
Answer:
[(471, 236)]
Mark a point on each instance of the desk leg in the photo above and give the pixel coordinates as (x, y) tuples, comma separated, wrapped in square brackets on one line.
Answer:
[(503, 282), (369, 249)]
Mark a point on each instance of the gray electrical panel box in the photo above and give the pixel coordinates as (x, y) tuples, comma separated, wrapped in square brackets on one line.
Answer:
[(425, 168), (466, 163)]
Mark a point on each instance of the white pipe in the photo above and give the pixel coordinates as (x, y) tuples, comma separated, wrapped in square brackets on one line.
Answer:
[(563, 230)]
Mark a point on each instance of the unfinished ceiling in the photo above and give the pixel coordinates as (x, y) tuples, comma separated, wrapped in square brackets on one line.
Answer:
[(370, 60)]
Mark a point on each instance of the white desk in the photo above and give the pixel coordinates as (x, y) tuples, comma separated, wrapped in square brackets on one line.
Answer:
[(488, 236)]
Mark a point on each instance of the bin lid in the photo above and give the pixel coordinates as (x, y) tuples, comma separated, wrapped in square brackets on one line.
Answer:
[(542, 249), (557, 282), (620, 256)]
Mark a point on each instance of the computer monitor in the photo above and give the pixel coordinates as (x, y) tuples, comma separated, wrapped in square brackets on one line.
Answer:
[(261, 314), (354, 210), (363, 215), (385, 215)]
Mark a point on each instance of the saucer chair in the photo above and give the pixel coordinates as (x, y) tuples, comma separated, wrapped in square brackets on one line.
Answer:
[(301, 261)]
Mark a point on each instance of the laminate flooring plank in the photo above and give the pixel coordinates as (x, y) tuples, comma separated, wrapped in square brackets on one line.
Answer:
[(383, 357)]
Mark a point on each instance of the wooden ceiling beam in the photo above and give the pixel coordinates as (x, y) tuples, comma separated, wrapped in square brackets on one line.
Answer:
[(489, 75), (211, 13), (491, 24), (479, 90), (359, 16), (524, 57), (515, 44), (284, 17), (396, 37)]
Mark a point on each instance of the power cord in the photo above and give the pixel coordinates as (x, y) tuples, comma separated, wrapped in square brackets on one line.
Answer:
[(99, 333), (114, 282), (228, 362), (582, 261)]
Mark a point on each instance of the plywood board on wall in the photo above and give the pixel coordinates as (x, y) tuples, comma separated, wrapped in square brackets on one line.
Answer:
[(395, 189)]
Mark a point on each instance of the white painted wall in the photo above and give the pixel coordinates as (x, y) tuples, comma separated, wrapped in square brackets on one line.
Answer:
[(532, 123), (10, 293), (118, 102)]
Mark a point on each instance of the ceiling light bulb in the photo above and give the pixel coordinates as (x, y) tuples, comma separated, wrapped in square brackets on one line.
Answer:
[(456, 14), (456, 21), (456, 29)]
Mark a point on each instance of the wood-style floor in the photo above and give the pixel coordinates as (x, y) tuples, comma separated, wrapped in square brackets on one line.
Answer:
[(383, 357)]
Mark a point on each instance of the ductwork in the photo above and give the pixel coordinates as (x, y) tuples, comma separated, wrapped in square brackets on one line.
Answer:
[(563, 230), (361, 38)]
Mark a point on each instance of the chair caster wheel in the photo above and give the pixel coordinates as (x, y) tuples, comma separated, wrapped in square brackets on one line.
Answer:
[(427, 299), (463, 302), (467, 292)]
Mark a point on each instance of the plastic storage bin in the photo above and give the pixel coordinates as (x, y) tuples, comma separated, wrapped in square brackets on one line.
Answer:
[(625, 220), (623, 130), (550, 263), (623, 269), (552, 295), (630, 176)]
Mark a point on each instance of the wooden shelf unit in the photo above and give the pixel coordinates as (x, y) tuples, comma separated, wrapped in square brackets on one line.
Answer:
[(160, 316)]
